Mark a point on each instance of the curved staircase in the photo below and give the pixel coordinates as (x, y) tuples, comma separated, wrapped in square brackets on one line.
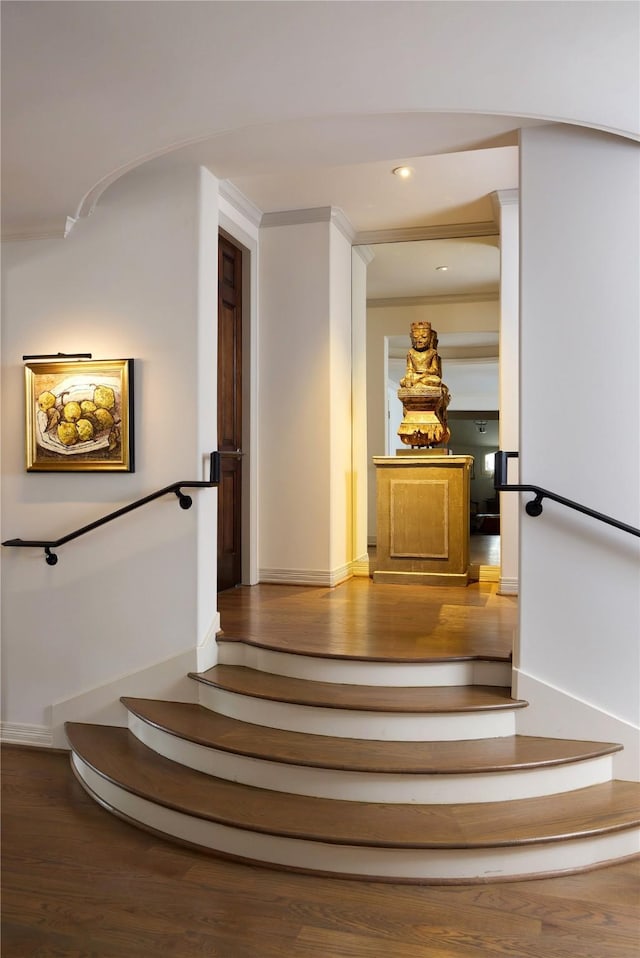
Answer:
[(370, 768)]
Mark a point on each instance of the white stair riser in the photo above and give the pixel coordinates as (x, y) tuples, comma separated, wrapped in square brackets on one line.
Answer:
[(350, 672), (413, 864), (387, 788), (348, 723)]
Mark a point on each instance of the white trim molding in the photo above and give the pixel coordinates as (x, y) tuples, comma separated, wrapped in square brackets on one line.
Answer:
[(509, 585), (241, 203), (325, 577), (366, 254), (318, 214), (360, 567), (14, 733), (500, 198), (399, 301), (39, 231), (412, 233)]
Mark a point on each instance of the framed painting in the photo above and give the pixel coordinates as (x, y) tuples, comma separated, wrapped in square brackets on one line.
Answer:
[(79, 416)]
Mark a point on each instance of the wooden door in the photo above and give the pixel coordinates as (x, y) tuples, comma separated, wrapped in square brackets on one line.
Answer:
[(229, 414)]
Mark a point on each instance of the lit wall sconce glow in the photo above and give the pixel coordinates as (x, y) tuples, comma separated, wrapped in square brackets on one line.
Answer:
[(404, 172), (441, 269)]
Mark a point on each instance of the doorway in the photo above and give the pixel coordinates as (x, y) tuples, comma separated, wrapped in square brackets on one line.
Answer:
[(229, 414)]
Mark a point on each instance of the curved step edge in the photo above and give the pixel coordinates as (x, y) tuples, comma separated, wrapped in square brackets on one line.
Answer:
[(391, 864), (372, 786), (350, 723), (360, 657), (341, 669)]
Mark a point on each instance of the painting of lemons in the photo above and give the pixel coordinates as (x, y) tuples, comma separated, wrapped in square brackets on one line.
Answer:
[(79, 416)]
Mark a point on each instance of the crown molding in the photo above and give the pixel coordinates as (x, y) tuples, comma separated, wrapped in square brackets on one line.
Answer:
[(240, 202), (365, 253), (54, 229), (401, 301), (413, 233), (318, 214), (342, 223), (502, 198), (505, 197)]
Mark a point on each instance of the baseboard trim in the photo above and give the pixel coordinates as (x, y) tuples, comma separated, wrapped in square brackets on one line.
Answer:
[(556, 713), (328, 578), (14, 733), (509, 586), (360, 567)]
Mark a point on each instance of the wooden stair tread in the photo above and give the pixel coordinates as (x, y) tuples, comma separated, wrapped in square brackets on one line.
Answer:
[(210, 729), (374, 651), (116, 754), (445, 699)]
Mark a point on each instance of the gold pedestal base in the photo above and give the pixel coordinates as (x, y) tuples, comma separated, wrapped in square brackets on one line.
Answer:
[(422, 520)]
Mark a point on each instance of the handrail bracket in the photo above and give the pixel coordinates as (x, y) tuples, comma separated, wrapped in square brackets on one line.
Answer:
[(185, 501)]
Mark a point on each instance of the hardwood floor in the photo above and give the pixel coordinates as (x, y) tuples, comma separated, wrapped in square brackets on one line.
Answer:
[(361, 620), (78, 883), (484, 549)]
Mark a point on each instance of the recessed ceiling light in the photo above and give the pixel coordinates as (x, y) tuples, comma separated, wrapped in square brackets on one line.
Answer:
[(404, 172), (441, 269)]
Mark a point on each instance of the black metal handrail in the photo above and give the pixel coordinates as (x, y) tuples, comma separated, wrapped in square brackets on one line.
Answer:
[(176, 487), (534, 506)]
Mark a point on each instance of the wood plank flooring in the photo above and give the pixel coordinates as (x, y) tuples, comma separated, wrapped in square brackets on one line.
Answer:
[(78, 883), (363, 620)]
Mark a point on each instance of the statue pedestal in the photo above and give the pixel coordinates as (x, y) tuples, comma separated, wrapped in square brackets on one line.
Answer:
[(422, 519)]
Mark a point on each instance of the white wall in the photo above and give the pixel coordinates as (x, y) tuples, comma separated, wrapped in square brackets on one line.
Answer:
[(128, 282), (305, 525), (340, 389), (508, 215), (361, 257), (580, 411), (385, 321)]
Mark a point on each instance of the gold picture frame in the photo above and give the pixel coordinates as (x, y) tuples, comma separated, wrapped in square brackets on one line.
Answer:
[(79, 416)]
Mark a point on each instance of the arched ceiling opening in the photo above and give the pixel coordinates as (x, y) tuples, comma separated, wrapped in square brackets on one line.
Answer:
[(92, 90)]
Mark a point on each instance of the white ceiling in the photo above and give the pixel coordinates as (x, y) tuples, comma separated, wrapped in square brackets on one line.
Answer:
[(310, 90), (410, 270), (447, 188), (304, 105)]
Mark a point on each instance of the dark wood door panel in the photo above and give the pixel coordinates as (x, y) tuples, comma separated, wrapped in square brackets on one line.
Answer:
[(229, 529), (229, 403), (229, 413)]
